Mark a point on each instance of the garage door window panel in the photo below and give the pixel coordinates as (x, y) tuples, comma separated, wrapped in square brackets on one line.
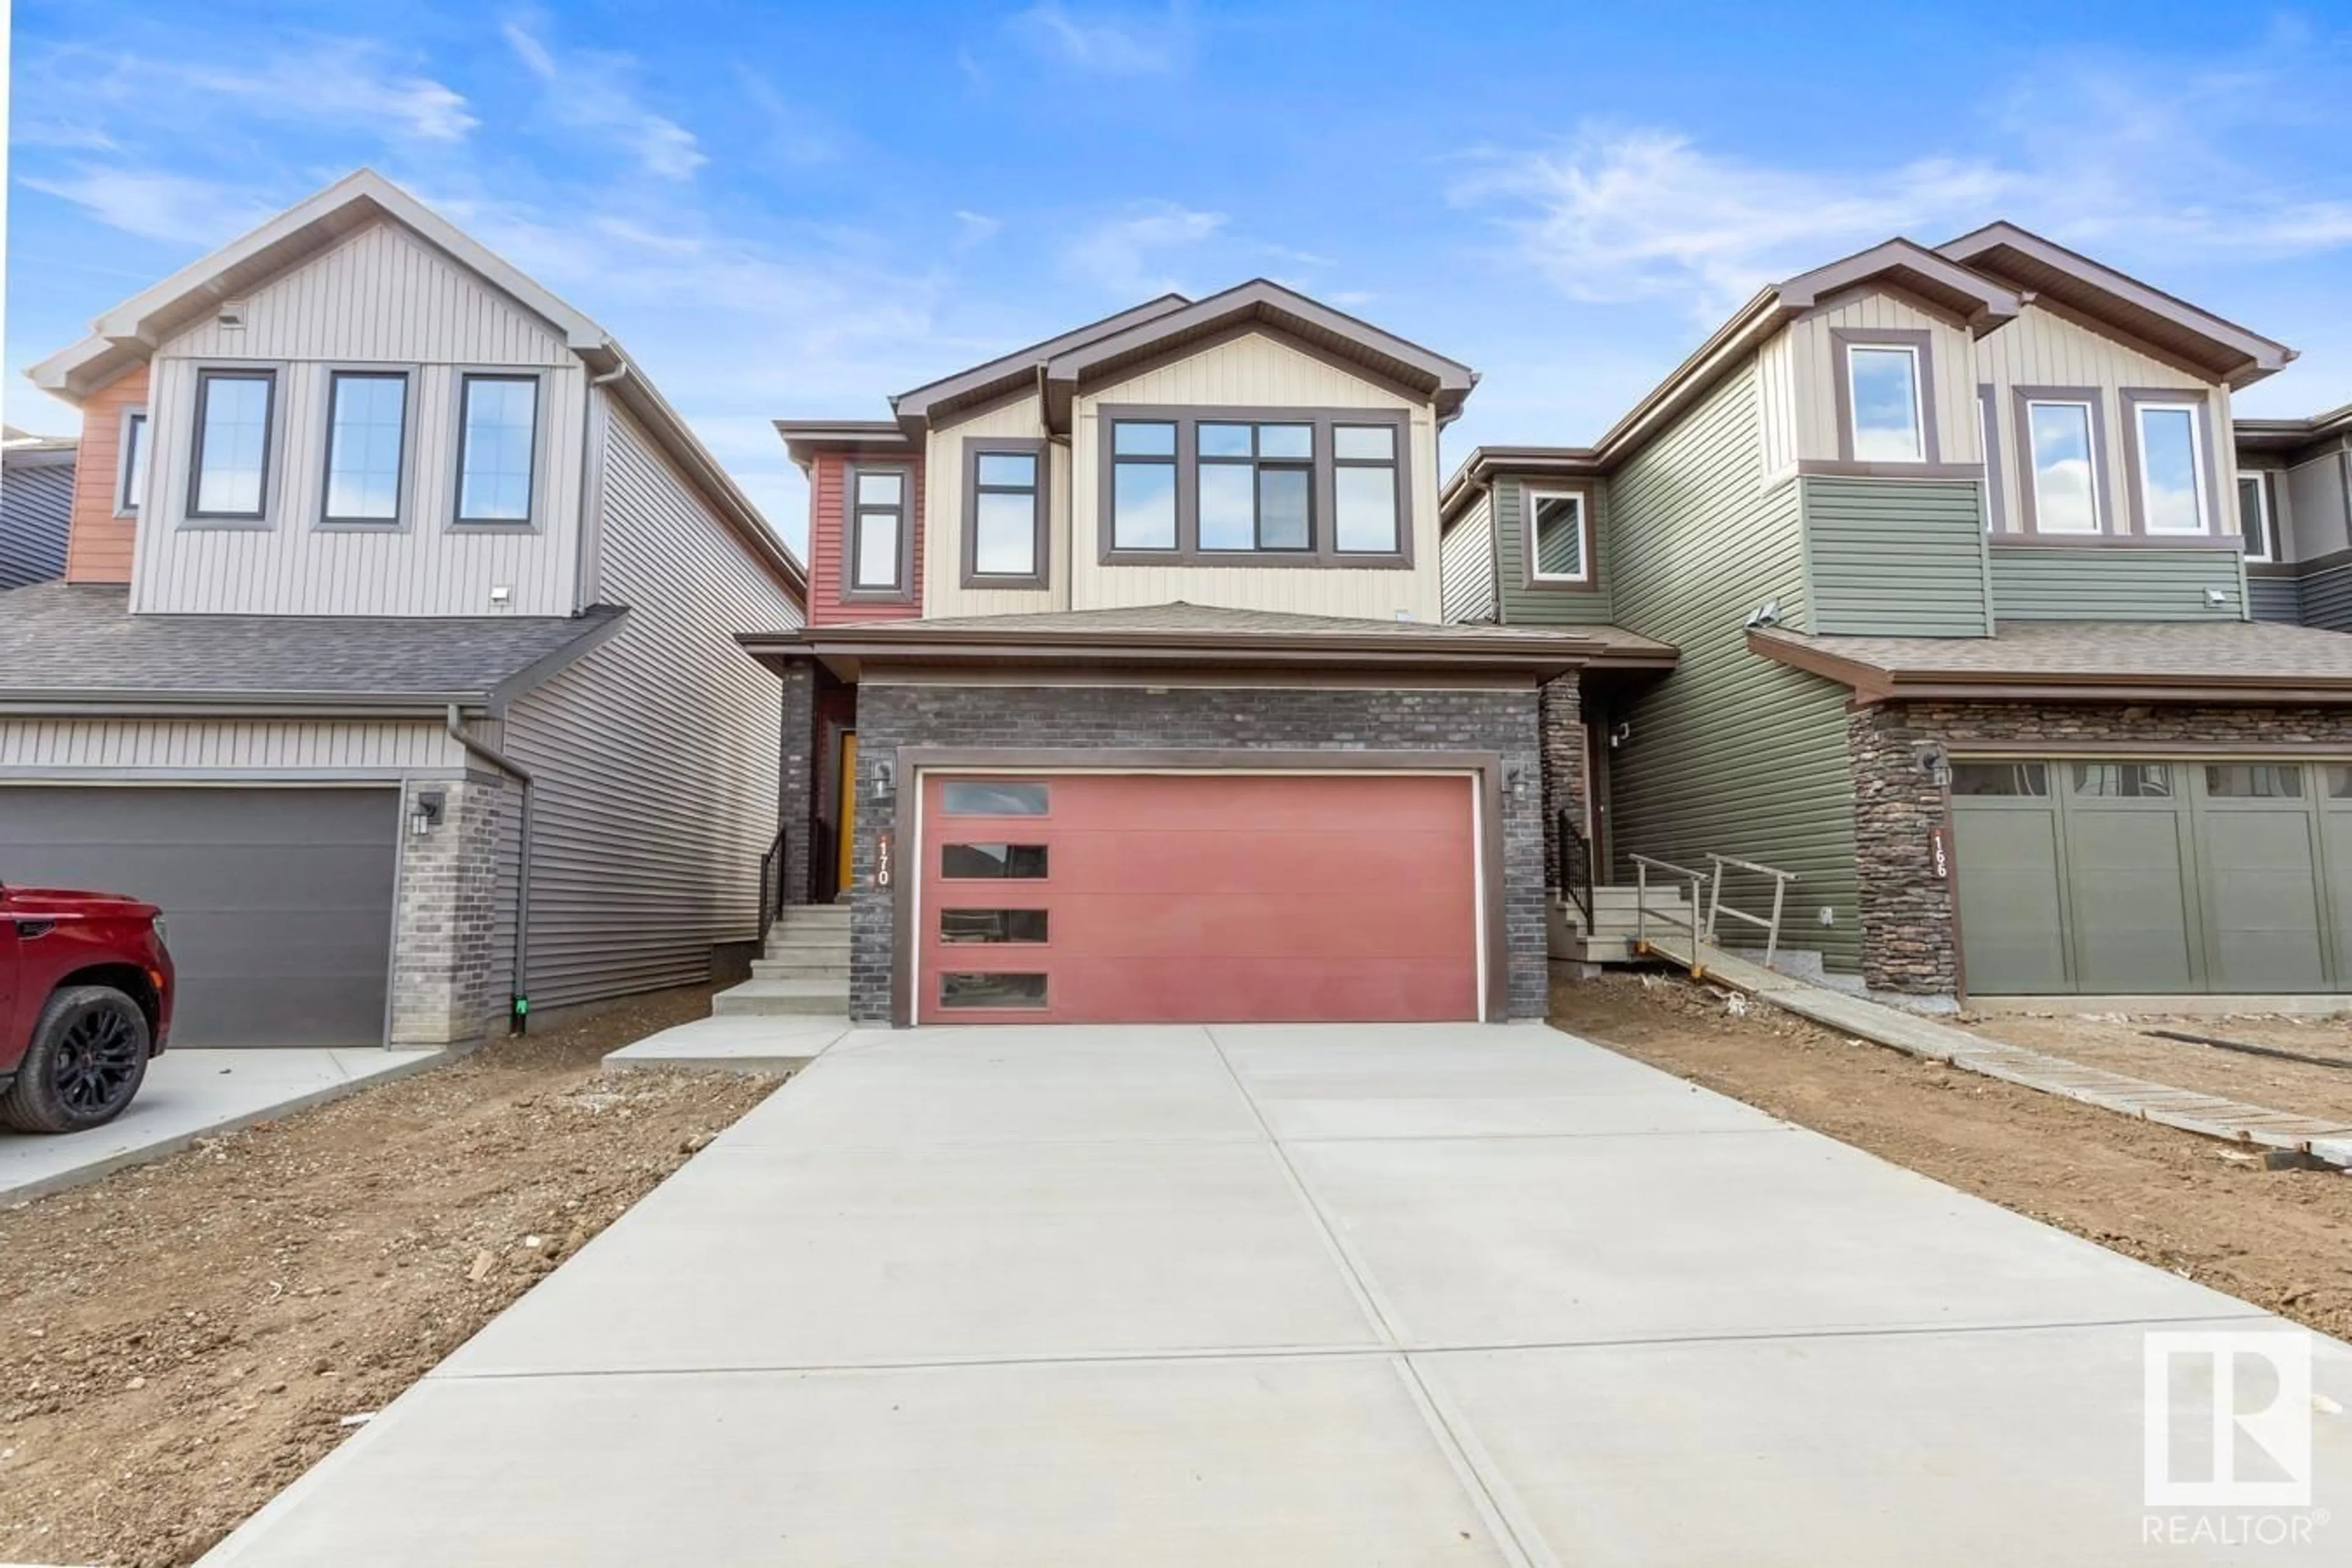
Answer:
[(1998, 780), (2124, 780), (993, 926), (966, 990), (983, 797), (992, 862), (2253, 780)]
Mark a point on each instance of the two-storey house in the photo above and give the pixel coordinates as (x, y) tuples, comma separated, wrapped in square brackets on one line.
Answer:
[(1127, 693), (393, 658), (37, 487), (1948, 543), (2294, 506)]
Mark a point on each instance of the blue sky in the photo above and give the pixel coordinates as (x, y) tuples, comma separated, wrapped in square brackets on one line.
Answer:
[(796, 210)]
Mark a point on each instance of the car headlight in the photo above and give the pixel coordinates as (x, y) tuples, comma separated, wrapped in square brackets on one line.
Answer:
[(162, 935)]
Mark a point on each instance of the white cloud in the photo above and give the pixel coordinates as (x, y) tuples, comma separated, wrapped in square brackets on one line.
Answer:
[(1125, 255), (341, 82), (974, 229), (1105, 45), (592, 93), (158, 205), (326, 83)]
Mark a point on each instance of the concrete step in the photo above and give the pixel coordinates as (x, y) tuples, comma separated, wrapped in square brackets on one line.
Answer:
[(777, 997), (820, 966), (814, 917)]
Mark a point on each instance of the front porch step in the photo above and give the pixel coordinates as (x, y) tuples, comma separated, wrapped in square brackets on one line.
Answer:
[(777, 998), (802, 966), (806, 944)]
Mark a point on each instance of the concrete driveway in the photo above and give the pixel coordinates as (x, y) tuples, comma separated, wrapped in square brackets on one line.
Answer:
[(1294, 1297)]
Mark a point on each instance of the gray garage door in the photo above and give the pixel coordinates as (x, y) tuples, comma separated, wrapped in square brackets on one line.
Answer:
[(278, 901), (2106, 878)]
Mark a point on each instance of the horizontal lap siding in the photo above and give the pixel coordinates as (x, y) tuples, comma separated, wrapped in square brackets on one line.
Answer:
[(2328, 599), (1467, 563), (101, 546), (2102, 583), (1897, 557), (2275, 599), (35, 509), (1732, 752), (655, 757), (828, 564), (1526, 606)]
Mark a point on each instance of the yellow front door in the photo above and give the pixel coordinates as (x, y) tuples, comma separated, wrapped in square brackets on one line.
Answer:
[(847, 794)]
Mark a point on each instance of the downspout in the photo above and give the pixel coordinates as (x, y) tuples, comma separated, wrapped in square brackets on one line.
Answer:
[(519, 995), (587, 429)]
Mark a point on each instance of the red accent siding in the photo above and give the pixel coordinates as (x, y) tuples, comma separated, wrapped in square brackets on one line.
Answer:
[(99, 547), (1222, 898), (828, 565)]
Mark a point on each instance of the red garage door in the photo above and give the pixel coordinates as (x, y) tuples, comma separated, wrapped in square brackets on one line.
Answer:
[(1197, 897)]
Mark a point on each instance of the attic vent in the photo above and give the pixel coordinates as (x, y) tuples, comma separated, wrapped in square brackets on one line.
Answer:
[(233, 313)]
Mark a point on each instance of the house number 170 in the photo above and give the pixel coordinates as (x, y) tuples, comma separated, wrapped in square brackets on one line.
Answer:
[(882, 861)]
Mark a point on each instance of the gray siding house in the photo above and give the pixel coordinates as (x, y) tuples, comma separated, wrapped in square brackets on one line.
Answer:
[(2295, 494), (395, 661), (37, 488)]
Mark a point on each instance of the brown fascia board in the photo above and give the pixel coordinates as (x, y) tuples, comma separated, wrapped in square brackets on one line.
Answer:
[(1730, 343), (1976, 299), (2259, 356), (1483, 463), (1546, 653), (1874, 683), (805, 439), (917, 409), (1447, 382)]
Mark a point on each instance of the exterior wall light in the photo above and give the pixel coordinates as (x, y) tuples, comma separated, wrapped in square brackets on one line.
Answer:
[(425, 813), (885, 781), (1934, 764)]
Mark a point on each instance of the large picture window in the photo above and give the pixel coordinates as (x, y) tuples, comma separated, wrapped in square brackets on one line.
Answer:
[(498, 439), (229, 471)]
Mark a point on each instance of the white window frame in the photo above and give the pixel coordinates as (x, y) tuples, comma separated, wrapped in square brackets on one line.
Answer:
[(127, 484), (1918, 399), (1583, 572), (2089, 455), (2140, 411), (2261, 479)]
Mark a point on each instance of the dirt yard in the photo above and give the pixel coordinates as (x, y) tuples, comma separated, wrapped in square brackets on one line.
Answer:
[(2120, 1044), (2282, 1239), (180, 1340)]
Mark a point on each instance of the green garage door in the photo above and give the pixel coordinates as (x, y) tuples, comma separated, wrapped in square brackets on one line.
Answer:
[(2153, 876)]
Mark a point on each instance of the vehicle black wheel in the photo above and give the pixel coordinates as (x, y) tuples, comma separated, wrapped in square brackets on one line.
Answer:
[(88, 1058)]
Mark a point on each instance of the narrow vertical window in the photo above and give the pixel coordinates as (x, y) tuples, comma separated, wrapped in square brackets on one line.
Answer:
[(1883, 388), (231, 463), (1556, 537), (2254, 516), (2065, 471), (131, 480), (877, 530), (1364, 489), (367, 428), (1004, 512), (498, 439), (2172, 469), (1143, 484)]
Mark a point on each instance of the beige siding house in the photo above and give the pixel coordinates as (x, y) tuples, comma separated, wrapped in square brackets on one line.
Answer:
[(415, 701)]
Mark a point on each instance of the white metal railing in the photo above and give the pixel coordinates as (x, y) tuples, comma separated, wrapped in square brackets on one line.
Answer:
[(1716, 909), (1642, 866)]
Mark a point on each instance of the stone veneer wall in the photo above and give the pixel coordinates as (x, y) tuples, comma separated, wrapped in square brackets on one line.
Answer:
[(1910, 938), (1561, 714), (1336, 720), (449, 975)]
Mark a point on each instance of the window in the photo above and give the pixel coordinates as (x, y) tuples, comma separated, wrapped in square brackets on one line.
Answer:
[(2254, 516), (983, 797), (498, 439), (976, 862), (367, 421), (2065, 467), (130, 476), (1004, 514), (2172, 469), (2339, 783), (991, 991), (993, 926), (230, 469), (1254, 481), (1883, 384), (2124, 780), (1143, 485), (1555, 534), (1364, 489), (2000, 779), (2253, 780), (881, 546)]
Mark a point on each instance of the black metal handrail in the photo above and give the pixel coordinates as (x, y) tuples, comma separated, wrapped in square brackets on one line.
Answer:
[(1576, 867), (771, 886)]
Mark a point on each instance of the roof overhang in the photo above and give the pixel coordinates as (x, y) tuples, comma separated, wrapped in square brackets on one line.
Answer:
[(934, 403), (1485, 464), (1873, 683), (2289, 435), (2042, 269), (805, 439)]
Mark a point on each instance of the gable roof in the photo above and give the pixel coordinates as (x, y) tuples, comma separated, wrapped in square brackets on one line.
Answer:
[(932, 402), (2047, 270), (132, 331)]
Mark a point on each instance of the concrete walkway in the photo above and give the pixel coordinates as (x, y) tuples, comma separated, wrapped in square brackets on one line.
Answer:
[(1287, 1296), (190, 1095)]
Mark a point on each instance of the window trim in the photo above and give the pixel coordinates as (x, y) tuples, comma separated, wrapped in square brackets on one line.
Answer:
[(193, 516), (1589, 581), (2266, 504), (535, 515), (975, 449), (2136, 400), (2023, 400), (1322, 552), (1995, 470), (402, 480), (1920, 345), (126, 500), (904, 590)]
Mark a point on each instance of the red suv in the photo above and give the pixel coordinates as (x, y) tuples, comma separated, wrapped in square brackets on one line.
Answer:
[(85, 1000)]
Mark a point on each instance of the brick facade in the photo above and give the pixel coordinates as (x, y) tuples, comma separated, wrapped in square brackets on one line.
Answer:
[(1334, 720), (1909, 936), (796, 811), (448, 978)]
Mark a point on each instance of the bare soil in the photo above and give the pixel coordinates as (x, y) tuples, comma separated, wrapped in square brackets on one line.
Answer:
[(2282, 1239), (2123, 1044), (180, 1340)]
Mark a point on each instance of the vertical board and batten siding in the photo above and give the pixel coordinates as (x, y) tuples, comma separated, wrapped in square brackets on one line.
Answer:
[(944, 521), (1255, 372), (1813, 354), (37, 494), (656, 758), (1466, 563), (103, 544), (828, 563), (70, 748), (1896, 557), (1523, 605), (1732, 752), (2275, 599), (382, 299), (2041, 349), (1776, 405), (2097, 583)]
